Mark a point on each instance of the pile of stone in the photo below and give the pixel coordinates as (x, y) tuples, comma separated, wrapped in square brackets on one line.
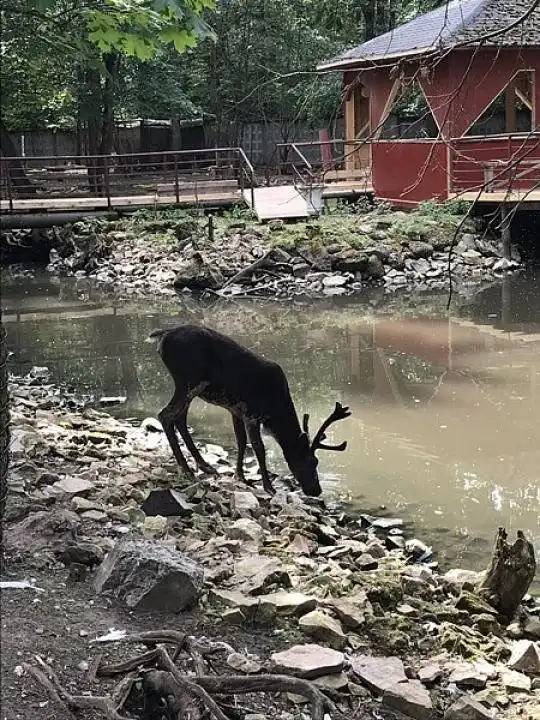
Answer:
[(247, 259), (354, 604)]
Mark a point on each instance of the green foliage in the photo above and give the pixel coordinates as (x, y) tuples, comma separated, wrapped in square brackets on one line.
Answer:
[(58, 56), (450, 209), (138, 28), (238, 60)]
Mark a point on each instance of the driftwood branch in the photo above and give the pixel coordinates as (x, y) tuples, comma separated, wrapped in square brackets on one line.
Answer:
[(510, 574), (265, 262)]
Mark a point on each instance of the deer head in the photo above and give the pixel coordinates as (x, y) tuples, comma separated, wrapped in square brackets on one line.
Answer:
[(304, 468)]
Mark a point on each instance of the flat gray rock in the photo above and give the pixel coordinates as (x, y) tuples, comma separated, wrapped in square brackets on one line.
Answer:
[(515, 681), (466, 708), (379, 673), (245, 529), (411, 698), (525, 657), (308, 661), (324, 628)]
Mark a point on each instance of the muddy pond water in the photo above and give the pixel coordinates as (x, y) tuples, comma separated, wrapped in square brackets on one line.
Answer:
[(445, 429)]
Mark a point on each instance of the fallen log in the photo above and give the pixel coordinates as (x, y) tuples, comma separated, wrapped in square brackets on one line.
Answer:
[(510, 574), (264, 262)]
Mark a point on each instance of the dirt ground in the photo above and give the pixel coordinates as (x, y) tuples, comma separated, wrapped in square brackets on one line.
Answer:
[(58, 621)]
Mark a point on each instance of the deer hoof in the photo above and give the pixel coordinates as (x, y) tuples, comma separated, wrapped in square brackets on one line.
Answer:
[(206, 468), (268, 488), (240, 477)]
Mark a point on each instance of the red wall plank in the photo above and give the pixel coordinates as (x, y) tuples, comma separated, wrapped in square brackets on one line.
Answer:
[(407, 172), (465, 83)]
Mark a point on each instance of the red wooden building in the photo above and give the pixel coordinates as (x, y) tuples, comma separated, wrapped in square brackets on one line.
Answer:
[(447, 105)]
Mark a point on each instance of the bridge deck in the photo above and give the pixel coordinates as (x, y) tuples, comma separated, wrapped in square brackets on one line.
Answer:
[(29, 205)]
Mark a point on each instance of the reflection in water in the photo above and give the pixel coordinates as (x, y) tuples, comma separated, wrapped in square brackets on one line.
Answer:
[(445, 410)]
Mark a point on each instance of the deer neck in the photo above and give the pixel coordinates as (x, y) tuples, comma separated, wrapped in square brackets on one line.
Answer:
[(285, 428)]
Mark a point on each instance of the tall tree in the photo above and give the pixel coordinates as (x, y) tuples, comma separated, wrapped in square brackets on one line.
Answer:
[(92, 37)]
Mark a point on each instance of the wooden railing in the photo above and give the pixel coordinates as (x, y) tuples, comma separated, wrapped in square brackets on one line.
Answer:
[(172, 176), (496, 164), (325, 160)]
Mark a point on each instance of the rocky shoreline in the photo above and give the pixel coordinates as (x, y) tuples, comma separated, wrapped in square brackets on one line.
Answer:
[(228, 256), (345, 600)]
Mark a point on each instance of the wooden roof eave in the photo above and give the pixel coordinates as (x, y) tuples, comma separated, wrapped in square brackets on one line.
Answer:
[(374, 60)]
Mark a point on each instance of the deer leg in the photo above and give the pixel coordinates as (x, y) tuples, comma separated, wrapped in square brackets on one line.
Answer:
[(167, 417), (181, 424), (241, 442), (254, 433)]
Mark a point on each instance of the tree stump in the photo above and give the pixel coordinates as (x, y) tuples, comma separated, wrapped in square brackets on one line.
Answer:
[(511, 572)]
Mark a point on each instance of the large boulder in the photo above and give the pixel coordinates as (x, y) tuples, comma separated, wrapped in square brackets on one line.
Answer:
[(147, 575)]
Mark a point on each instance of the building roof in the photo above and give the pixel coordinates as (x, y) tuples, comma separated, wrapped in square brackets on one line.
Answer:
[(455, 22)]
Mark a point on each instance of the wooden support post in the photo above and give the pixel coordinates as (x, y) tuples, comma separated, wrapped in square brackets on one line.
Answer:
[(176, 189), (107, 180), (510, 107), (506, 231), (349, 133), (506, 302)]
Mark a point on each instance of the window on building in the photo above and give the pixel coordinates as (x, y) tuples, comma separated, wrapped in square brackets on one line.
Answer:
[(511, 111), (410, 116)]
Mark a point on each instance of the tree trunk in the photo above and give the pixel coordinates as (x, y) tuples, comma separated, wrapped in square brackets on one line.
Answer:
[(4, 434), (112, 66), (511, 572), (20, 184)]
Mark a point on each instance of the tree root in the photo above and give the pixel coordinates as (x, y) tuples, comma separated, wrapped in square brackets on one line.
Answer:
[(185, 695), (68, 702)]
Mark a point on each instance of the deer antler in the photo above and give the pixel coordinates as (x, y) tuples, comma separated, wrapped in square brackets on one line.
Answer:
[(339, 413)]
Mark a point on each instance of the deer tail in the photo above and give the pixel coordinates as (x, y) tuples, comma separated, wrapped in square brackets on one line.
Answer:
[(156, 336)]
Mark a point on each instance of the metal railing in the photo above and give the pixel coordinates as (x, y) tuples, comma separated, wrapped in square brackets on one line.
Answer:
[(310, 156), (170, 176)]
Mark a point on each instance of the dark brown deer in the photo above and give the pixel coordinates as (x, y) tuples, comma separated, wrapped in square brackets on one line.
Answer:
[(203, 363)]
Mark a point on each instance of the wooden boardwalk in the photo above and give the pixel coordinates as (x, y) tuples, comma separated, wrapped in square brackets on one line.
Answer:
[(498, 196), (48, 204)]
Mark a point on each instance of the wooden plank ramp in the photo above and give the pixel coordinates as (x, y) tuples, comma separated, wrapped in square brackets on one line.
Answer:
[(277, 202)]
